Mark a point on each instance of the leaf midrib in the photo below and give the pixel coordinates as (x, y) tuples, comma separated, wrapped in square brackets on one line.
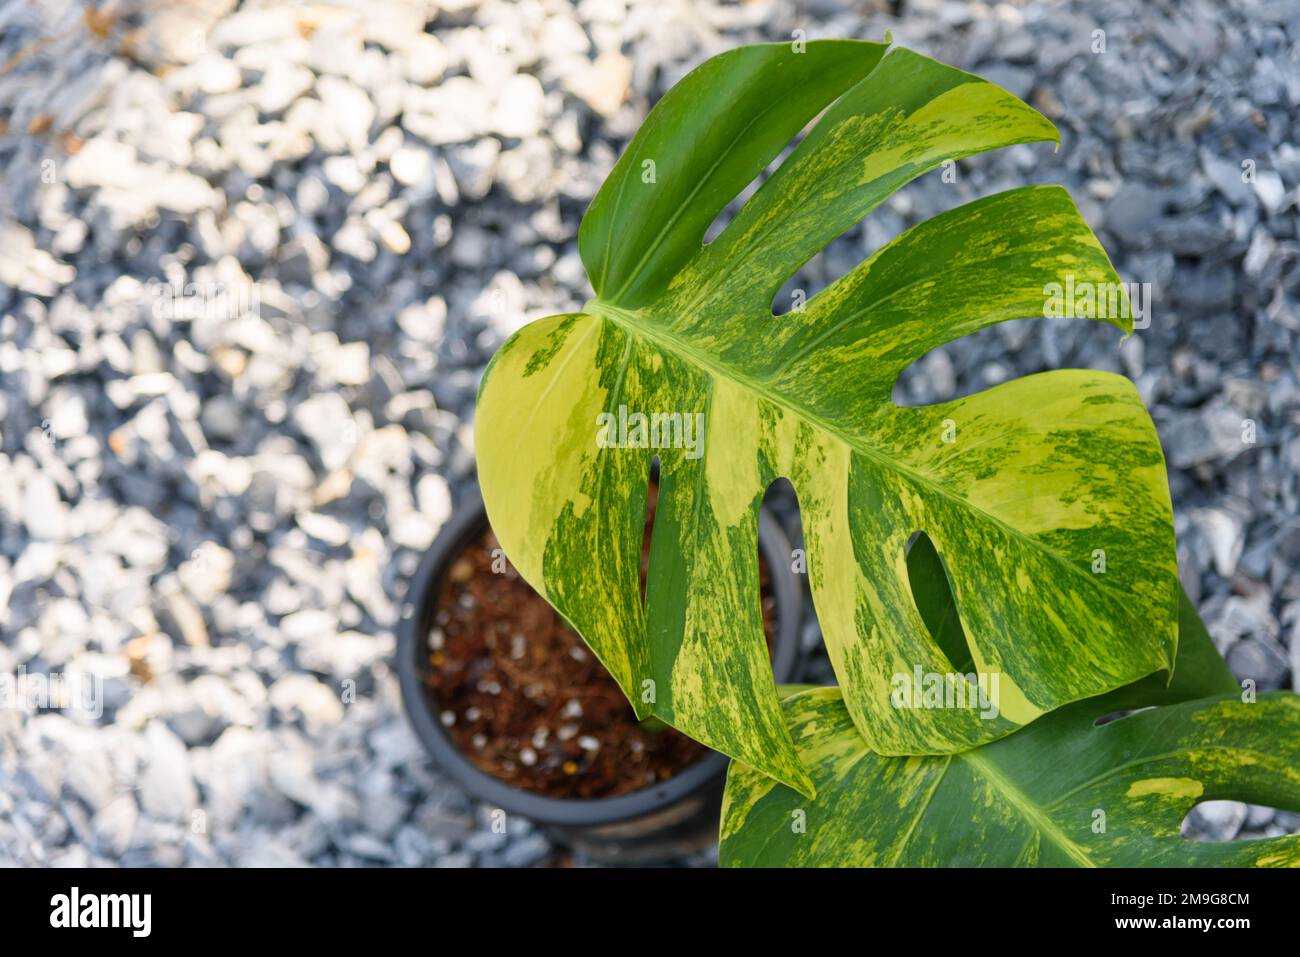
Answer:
[(1025, 806), (633, 323)]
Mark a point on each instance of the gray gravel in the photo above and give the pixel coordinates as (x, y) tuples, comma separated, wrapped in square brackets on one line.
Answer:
[(252, 264)]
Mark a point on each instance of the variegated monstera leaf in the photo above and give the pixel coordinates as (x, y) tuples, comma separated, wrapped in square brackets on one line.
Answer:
[(1025, 488), (1064, 792)]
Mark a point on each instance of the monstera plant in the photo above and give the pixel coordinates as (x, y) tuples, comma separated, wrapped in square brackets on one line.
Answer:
[(1023, 534), (1020, 487)]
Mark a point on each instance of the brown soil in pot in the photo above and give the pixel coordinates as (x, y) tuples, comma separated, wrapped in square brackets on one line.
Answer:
[(527, 701)]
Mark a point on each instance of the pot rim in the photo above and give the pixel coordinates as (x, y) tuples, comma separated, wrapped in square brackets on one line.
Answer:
[(468, 521)]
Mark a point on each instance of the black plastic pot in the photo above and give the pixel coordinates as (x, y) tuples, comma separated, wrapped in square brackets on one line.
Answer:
[(666, 820)]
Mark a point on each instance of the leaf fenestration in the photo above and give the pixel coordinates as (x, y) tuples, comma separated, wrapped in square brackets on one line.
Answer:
[(1042, 470)]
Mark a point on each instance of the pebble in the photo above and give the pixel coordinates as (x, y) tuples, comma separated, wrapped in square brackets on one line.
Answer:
[(1260, 660), (605, 84), (167, 790), (1216, 820)]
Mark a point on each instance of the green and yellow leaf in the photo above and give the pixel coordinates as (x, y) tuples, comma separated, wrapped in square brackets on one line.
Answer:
[(1020, 487), (1063, 792)]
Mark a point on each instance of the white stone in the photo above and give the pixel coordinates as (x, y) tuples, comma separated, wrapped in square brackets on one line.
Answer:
[(520, 107)]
